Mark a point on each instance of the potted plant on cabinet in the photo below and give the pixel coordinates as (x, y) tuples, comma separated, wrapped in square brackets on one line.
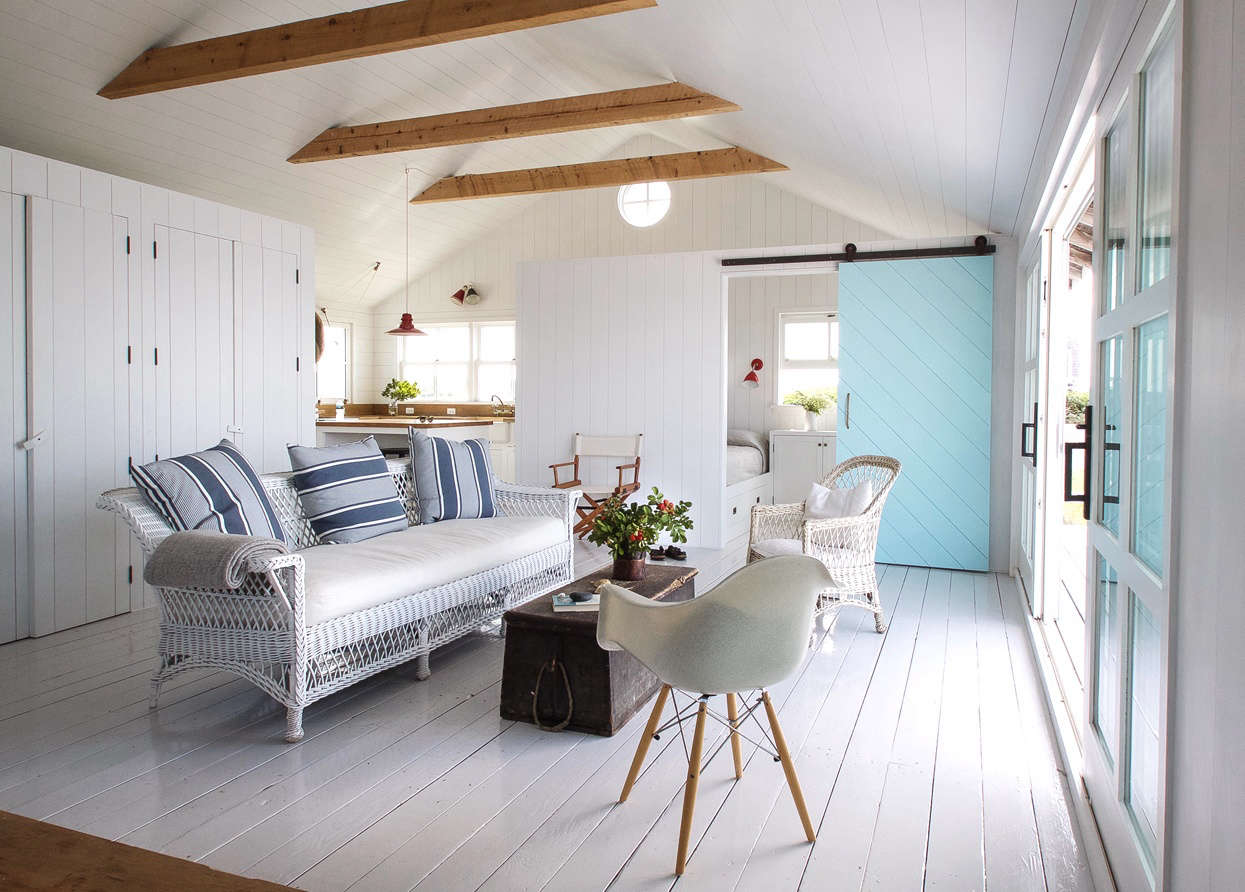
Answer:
[(398, 390), (629, 530), (814, 402)]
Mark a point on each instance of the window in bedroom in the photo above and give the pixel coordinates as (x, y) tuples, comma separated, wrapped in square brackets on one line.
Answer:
[(808, 354), (333, 369), (461, 362)]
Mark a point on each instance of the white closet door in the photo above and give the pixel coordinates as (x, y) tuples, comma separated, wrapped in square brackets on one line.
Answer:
[(267, 360), (194, 358), (14, 601), (78, 396)]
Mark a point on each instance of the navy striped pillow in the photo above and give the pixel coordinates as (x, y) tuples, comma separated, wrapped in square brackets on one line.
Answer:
[(216, 489), (347, 491), (453, 478)]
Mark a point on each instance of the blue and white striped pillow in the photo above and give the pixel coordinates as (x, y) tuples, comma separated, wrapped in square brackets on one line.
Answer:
[(216, 489), (453, 478), (347, 491)]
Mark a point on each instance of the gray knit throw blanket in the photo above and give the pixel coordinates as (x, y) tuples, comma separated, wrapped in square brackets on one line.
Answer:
[(207, 559)]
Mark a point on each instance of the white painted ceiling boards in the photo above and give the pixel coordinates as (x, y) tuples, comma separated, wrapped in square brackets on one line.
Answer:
[(918, 117)]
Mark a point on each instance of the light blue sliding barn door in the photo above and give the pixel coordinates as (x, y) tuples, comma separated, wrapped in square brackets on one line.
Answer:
[(914, 383)]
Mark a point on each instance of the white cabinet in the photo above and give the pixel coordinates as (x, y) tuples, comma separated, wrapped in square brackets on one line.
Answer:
[(798, 459), (127, 332), (502, 457)]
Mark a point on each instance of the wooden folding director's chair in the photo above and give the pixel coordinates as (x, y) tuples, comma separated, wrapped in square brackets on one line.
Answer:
[(595, 495)]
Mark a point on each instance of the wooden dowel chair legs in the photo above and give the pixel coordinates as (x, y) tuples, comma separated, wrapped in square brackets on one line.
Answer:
[(788, 767), (732, 713), (645, 739), (695, 757), (689, 792)]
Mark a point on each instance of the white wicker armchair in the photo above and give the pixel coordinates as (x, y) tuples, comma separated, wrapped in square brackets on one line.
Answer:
[(260, 631), (846, 545)]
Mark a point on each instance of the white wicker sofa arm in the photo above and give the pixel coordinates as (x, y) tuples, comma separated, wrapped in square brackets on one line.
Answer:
[(514, 500), (280, 576)]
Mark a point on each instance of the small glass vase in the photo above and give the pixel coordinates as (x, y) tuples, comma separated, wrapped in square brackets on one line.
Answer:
[(393, 407)]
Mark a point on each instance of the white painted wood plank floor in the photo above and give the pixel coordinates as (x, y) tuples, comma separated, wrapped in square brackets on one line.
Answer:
[(924, 754)]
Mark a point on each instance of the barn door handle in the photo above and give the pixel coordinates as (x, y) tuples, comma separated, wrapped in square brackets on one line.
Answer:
[(847, 411), (1025, 427), (1087, 457), (36, 440)]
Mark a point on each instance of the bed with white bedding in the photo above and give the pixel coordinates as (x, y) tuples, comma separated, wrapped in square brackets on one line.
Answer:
[(743, 462), (748, 482), (747, 455)]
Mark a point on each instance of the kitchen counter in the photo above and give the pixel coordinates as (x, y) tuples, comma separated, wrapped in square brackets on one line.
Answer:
[(390, 430), (403, 421)]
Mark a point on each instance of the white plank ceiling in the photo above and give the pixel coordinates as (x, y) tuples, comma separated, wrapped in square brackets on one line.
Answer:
[(918, 117)]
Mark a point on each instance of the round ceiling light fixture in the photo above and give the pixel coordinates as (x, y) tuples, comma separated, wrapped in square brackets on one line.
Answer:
[(644, 204)]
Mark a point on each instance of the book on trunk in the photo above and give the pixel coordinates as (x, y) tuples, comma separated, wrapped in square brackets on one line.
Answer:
[(570, 602)]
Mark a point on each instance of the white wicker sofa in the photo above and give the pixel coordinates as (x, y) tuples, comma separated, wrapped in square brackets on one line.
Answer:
[(323, 617)]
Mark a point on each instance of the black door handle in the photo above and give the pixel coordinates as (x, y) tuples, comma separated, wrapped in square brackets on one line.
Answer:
[(1087, 457), (1025, 427)]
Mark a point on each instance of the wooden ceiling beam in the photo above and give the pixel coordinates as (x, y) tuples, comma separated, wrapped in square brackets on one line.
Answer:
[(348, 35), (593, 175), (615, 108)]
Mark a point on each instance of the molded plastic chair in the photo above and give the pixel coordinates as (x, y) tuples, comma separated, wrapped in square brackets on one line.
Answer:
[(846, 545), (748, 633)]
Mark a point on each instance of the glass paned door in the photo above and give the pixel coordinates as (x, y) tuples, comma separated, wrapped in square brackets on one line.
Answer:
[(1127, 644), (1029, 457)]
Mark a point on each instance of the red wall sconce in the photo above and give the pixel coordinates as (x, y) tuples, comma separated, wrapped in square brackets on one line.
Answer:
[(751, 381)]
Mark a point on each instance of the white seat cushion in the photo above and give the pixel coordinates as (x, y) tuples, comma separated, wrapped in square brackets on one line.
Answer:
[(831, 557), (344, 578)]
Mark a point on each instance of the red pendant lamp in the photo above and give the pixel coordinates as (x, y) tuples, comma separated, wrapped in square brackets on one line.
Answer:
[(407, 326)]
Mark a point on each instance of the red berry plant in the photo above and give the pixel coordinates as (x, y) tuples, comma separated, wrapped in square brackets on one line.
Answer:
[(630, 529)]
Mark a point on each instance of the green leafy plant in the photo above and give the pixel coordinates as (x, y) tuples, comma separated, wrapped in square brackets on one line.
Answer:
[(1074, 406), (815, 401), (630, 529), (398, 389)]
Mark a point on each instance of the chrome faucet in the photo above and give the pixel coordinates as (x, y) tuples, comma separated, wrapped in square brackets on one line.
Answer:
[(499, 405)]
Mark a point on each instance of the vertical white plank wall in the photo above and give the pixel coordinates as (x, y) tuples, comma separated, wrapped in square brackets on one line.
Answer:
[(144, 341), (628, 345), (14, 603)]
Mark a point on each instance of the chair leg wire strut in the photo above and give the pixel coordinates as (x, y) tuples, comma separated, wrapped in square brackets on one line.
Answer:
[(698, 708)]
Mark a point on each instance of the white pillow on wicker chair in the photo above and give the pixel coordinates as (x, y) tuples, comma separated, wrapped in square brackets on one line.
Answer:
[(825, 501)]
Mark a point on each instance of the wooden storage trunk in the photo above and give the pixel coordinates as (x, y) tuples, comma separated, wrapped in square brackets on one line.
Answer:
[(606, 687)]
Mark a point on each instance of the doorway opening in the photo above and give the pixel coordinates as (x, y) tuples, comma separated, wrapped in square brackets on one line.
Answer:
[(1067, 456)]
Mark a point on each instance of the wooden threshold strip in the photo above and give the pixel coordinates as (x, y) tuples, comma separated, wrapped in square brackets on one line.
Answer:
[(640, 105), (347, 35), (678, 166)]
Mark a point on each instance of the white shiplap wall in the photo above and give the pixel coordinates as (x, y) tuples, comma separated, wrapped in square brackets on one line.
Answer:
[(624, 345), (752, 331), (89, 301), (723, 213)]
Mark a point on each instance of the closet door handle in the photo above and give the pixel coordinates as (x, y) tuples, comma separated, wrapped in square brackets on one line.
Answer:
[(36, 440)]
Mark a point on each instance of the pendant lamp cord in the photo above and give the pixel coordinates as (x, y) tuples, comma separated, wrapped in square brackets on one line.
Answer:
[(406, 218)]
